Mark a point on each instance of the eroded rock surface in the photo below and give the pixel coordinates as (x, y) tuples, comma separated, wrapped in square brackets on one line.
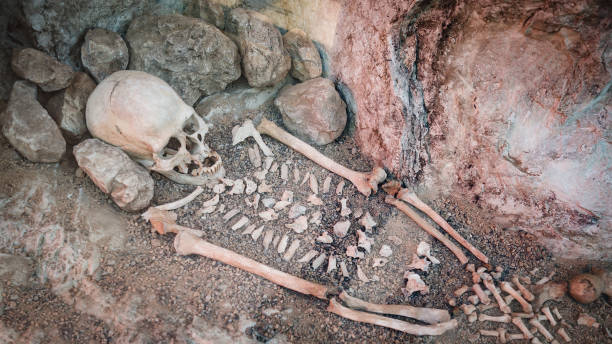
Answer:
[(41, 69), (29, 128), (305, 59), (112, 170), (104, 52), (194, 57), (313, 110), (264, 58), (68, 106)]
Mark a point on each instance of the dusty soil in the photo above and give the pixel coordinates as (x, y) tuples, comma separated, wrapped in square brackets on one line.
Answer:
[(248, 307)]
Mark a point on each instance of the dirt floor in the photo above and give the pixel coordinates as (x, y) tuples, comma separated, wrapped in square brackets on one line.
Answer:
[(185, 297)]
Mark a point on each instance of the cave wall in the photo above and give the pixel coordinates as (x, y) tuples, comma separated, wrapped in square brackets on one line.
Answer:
[(506, 103)]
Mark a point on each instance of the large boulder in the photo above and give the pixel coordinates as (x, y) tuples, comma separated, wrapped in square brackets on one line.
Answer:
[(194, 57), (104, 52), (41, 69), (313, 110), (67, 107), (29, 128), (112, 170), (264, 58), (305, 59)]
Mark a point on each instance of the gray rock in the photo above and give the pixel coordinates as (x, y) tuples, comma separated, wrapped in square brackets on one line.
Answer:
[(15, 269), (305, 59), (68, 106), (41, 69), (313, 110), (104, 52), (194, 57), (211, 11), (112, 170), (29, 128), (264, 58)]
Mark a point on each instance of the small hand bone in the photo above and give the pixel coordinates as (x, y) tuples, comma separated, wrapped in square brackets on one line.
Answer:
[(526, 293), (247, 129), (500, 301), (365, 182), (505, 286)]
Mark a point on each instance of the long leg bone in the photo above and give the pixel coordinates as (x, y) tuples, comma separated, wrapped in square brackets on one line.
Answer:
[(417, 330), (427, 227), (428, 315), (365, 182), (411, 198)]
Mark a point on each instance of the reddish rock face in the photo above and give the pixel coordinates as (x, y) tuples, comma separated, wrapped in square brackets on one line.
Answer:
[(507, 105)]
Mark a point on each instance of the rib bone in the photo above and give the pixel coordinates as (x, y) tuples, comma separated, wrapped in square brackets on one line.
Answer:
[(365, 182), (181, 202)]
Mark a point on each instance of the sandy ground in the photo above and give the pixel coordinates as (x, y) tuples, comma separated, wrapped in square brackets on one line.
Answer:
[(244, 307)]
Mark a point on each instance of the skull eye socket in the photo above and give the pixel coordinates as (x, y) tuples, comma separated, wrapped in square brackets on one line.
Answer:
[(190, 127)]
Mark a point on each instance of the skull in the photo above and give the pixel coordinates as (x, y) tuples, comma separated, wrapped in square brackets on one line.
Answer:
[(143, 115)]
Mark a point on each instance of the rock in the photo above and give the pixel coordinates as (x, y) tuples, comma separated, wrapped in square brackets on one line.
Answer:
[(104, 52), (29, 128), (264, 58), (313, 110), (305, 59), (194, 57), (112, 170), (41, 69), (68, 106), (15, 269)]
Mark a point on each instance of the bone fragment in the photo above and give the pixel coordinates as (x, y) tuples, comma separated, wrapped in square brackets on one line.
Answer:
[(251, 186), (536, 340), (228, 216), (345, 210), (414, 283), (340, 188), (163, 221), (238, 187), (521, 325), (378, 262), (489, 333), (181, 202), (250, 228), (587, 320), (364, 241), (508, 299), (523, 315), (505, 286), (525, 279), (280, 205), (481, 295), (273, 168), (427, 227), (385, 251), (254, 156), (514, 336), (561, 332), (473, 299), (468, 309), (268, 202), (305, 179), (240, 133), (267, 240), (186, 244), (260, 175), (275, 241), (461, 290), (419, 264), (341, 228), (343, 268), (325, 238), (318, 261), (257, 233), (219, 188), (287, 196), (557, 314), (221, 208), (282, 246), (506, 318), (240, 223), (545, 279), (411, 198), (548, 291), (284, 173), (470, 268), (314, 200), (526, 293), (351, 251), (299, 225), (361, 275), (296, 210), (484, 307), (472, 317), (308, 256), (268, 163), (268, 215), (296, 175), (357, 214), (295, 244), (314, 184), (331, 263), (540, 317), (502, 335), (476, 277), (424, 250), (534, 322), (315, 218), (417, 330), (326, 184), (428, 315), (500, 301), (263, 188), (368, 222), (206, 210)]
